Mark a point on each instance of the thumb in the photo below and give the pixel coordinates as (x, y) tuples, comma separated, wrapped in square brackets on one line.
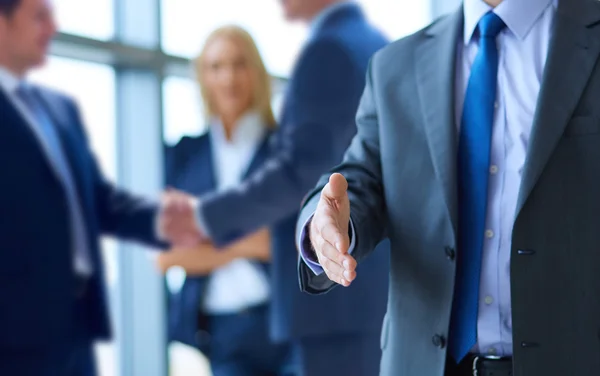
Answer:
[(336, 188)]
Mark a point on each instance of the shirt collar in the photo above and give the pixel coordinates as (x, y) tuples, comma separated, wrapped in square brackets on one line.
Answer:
[(9, 82), (249, 129), (320, 18), (518, 15)]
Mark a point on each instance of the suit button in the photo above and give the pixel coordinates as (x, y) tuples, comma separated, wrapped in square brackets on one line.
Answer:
[(525, 252), (450, 253), (438, 341), (525, 344)]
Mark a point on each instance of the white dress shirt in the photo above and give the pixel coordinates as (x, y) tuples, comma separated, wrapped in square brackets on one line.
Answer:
[(9, 83), (242, 283), (522, 50)]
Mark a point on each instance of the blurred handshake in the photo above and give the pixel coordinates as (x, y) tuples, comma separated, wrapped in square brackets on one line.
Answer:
[(177, 220)]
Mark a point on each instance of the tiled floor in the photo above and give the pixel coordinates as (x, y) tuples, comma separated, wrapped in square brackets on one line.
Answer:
[(185, 361)]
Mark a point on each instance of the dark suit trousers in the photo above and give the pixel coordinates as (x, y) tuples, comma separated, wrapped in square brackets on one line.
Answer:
[(348, 355), (240, 345), (76, 359), (72, 356)]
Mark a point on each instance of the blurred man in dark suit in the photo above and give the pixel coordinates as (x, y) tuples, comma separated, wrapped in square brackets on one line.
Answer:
[(316, 127), (54, 205)]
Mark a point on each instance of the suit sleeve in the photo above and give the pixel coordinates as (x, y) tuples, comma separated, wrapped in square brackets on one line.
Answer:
[(176, 157), (318, 126), (362, 169), (120, 213)]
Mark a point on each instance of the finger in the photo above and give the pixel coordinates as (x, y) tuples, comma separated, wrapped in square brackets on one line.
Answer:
[(349, 264), (185, 203), (328, 258), (171, 196), (177, 224), (188, 241), (169, 217), (328, 251), (174, 223), (334, 235), (336, 188), (332, 267), (184, 238), (169, 203), (342, 272), (338, 273), (176, 201), (337, 279), (345, 262)]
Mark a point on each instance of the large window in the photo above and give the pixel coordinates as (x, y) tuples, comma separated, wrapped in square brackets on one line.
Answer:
[(93, 87), (182, 109), (93, 19), (186, 24), (398, 18)]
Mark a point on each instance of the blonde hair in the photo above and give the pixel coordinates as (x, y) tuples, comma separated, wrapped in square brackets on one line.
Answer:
[(261, 100)]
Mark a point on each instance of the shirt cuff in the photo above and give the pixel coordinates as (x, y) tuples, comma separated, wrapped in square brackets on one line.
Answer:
[(306, 249)]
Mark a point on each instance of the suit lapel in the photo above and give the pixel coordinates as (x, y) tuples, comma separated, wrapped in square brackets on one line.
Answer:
[(12, 117), (571, 58), (206, 165), (196, 166), (75, 152), (435, 74)]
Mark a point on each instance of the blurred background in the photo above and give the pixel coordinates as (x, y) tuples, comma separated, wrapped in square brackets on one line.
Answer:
[(127, 64)]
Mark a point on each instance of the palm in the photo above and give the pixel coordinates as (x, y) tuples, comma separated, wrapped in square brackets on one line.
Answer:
[(329, 231), (338, 209)]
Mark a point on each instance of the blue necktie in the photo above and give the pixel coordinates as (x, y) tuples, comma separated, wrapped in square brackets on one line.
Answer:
[(50, 139), (473, 170)]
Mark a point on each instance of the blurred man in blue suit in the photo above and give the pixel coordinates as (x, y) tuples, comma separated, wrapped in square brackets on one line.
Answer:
[(317, 125), (54, 205)]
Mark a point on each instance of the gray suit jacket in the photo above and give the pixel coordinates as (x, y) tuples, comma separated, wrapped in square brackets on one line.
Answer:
[(402, 184)]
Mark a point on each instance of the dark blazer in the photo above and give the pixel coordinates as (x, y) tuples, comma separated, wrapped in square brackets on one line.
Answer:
[(189, 167), (37, 280), (317, 126), (406, 116)]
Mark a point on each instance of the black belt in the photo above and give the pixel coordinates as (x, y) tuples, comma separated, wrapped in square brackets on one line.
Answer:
[(481, 365)]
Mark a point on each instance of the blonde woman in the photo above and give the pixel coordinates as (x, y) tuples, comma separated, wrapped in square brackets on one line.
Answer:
[(222, 307)]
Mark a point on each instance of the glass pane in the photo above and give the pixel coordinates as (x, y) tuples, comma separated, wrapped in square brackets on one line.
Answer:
[(182, 109), (278, 40), (93, 87), (186, 24), (93, 19)]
